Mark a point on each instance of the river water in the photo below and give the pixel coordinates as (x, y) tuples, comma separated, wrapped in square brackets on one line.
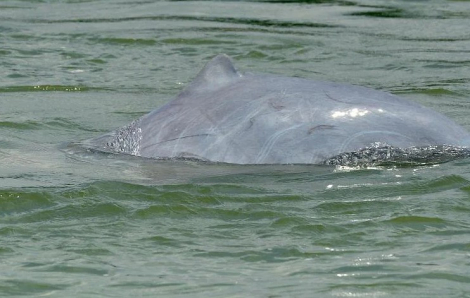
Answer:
[(81, 224)]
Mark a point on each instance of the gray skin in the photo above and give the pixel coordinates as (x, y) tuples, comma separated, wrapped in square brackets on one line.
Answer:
[(242, 118)]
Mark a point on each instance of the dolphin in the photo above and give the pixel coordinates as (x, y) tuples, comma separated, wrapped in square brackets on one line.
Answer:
[(242, 118)]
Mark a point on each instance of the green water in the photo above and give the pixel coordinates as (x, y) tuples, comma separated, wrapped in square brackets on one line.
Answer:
[(80, 224)]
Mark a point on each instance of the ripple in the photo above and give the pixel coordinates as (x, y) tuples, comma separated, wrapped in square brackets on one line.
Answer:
[(278, 254), (124, 41), (49, 88), (27, 125), (451, 246), (410, 220), (12, 202), (67, 269), (387, 192), (384, 13), (24, 287), (245, 21)]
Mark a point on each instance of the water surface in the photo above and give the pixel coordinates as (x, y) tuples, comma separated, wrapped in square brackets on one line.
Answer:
[(81, 224)]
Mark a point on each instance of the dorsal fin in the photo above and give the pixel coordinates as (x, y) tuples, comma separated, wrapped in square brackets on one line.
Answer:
[(216, 74)]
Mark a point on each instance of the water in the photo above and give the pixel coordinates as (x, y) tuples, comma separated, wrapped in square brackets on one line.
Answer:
[(80, 224)]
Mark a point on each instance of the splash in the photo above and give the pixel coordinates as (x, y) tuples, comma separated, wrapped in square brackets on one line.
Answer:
[(127, 139), (380, 154)]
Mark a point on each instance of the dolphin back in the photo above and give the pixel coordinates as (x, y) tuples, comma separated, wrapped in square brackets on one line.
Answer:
[(227, 116)]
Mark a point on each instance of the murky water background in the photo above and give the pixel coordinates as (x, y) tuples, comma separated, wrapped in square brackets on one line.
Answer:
[(77, 224)]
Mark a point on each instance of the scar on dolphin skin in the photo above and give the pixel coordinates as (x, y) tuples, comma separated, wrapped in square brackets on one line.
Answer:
[(320, 127), (251, 122), (334, 99), (190, 156), (275, 106), (185, 137)]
